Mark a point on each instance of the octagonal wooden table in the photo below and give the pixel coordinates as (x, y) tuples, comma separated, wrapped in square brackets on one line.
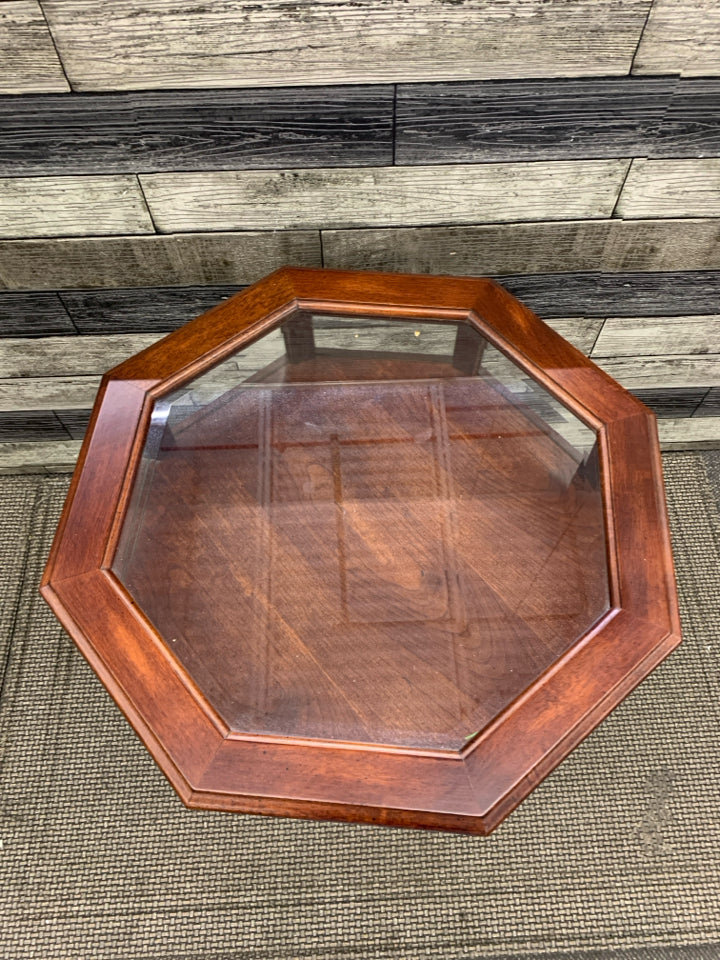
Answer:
[(368, 547)]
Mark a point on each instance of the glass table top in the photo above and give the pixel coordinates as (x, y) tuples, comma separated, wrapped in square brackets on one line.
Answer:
[(366, 530)]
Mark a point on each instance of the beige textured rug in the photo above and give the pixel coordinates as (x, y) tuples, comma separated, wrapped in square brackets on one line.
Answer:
[(616, 855)]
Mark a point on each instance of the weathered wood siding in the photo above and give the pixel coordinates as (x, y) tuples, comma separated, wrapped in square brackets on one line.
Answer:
[(157, 157)]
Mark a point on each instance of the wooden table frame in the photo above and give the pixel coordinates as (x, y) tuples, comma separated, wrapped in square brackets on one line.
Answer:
[(473, 789)]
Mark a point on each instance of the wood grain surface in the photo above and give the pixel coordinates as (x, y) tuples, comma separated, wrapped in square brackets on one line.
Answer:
[(72, 206), (36, 425), (636, 373), (48, 393), (28, 57), (607, 245), (695, 433), (68, 356), (472, 122), (671, 188), (530, 120), (129, 45), (221, 258), (200, 130), (654, 336), (33, 315), (139, 309), (39, 457), (710, 406), (335, 198), (691, 125), (667, 294), (681, 36)]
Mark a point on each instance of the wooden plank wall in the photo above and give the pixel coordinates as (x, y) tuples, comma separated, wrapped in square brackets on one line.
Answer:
[(155, 157)]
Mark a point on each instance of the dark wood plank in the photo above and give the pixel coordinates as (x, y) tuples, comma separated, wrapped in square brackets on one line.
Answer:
[(195, 258), (529, 120), (200, 130), (672, 402), (710, 407), (636, 294), (528, 248), (35, 425), (691, 125), (140, 309), (75, 422), (33, 315)]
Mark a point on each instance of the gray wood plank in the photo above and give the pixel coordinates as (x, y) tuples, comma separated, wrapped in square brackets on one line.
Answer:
[(33, 315), (618, 294), (681, 36), (29, 60), (48, 393), (133, 45), (68, 356), (710, 406), (30, 457), (643, 373), (71, 206), (691, 125), (658, 336), (221, 258), (529, 120), (208, 130), (527, 248), (671, 188), (689, 434), (352, 197), (140, 310)]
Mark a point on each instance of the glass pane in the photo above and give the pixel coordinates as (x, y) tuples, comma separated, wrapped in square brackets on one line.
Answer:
[(353, 531)]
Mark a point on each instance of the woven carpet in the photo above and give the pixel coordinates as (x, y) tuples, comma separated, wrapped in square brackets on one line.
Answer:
[(616, 855)]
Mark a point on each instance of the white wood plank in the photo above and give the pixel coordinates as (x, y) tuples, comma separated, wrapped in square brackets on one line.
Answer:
[(636, 373), (69, 356), (681, 36), (48, 393), (54, 456), (658, 336), (28, 60), (132, 44), (689, 433), (153, 261), (71, 206), (671, 188), (383, 196)]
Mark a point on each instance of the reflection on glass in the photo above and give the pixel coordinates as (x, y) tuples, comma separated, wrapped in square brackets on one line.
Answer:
[(366, 529)]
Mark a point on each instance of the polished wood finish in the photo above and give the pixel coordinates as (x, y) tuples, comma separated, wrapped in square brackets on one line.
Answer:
[(468, 778)]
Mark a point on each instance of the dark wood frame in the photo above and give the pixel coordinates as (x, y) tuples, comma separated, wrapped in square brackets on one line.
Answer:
[(471, 790)]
